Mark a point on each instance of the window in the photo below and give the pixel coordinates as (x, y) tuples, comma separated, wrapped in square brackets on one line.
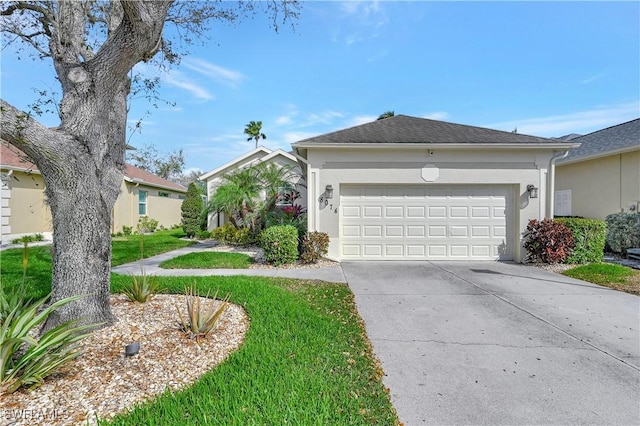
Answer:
[(181, 197), (286, 196), (142, 203), (163, 194)]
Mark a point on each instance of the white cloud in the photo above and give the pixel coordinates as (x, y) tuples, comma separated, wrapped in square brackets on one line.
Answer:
[(291, 137), (364, 19), (591, 79), (284, 120), (324, 117), (581, 122), (361, 119), (214, 72), (437, 115), (178, 79)]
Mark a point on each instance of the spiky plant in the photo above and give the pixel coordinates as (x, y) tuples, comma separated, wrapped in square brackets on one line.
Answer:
[(200, 319), (26, 360)]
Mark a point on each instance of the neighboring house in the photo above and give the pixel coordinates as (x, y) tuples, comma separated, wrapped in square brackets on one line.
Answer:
[(603, 175), (259, 155), (24, 209), (408, 188)]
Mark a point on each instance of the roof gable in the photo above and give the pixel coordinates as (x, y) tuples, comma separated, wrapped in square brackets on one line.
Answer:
[(261, 154), (615, 139), (405, 129)]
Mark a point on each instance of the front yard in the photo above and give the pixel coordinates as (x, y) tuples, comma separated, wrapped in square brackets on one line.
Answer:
[(617, 277), (306, 358)]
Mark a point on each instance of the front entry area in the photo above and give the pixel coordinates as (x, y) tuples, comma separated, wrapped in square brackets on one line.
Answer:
[(428, 222)]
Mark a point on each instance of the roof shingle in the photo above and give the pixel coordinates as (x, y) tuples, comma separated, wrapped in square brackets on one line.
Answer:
[(406, 129), (612, 139), (11, 156)]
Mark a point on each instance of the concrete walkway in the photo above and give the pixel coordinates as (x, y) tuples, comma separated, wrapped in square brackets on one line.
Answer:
[(151, 266)]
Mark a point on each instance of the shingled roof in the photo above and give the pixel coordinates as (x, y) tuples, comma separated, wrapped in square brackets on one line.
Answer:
[(615, 139), (406, 129), (11, 157)]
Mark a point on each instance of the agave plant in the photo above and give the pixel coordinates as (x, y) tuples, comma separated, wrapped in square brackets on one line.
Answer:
[(39, 357), (142, 288), (199, 319)]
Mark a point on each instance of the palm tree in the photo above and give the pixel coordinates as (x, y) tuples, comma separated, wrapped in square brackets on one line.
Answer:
[(387, 114), (254, 130)]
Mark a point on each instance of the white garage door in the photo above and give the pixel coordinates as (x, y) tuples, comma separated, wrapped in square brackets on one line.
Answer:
[(425, 222)]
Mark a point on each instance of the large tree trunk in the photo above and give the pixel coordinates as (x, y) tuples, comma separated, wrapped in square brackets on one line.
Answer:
[(82, 161)]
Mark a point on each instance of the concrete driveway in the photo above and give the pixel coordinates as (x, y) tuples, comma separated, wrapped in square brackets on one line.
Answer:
[(500, 343)]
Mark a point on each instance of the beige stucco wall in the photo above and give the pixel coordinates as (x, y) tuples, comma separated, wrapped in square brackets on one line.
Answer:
[(603, 185), (516, 168), (27, 211), (165, 210)]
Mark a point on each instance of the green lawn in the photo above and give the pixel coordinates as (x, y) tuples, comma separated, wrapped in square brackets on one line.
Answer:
[(306, 358), (124, 250), (209, 260), (609, 275)]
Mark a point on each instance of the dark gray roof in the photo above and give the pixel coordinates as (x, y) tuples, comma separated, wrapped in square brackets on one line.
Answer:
[(569, 137), (612, 139), (405, 129)]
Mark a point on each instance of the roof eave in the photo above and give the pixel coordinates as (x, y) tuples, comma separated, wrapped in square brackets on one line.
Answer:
[(154, 185), (559, 145), (598, 155)]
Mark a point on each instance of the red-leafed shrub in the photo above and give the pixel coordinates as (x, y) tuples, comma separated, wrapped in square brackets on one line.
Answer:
[(548, 241)]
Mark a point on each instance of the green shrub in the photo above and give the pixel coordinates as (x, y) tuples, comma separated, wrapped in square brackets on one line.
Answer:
[(280, 244), (192, 208), (203, 235), (588, 238), (146, 225), (127, 230), (25, 360), (229, 234), (199, 320), (548, 241), (28, 239), (623, 231), (314, 246)]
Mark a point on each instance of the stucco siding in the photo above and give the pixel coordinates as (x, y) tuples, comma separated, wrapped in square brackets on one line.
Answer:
[(339, 167), (166, 210), (29, 212), (601, 186)]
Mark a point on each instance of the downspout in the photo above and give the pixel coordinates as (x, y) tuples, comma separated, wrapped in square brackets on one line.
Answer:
[(551, 181)]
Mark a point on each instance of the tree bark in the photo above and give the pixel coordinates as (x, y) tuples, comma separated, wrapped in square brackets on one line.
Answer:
[(82, 161)]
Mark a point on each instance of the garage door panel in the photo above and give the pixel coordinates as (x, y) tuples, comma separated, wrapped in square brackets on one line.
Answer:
[(424, 222), (416, 212), (351, 211), (372, 212), (372, 231), (394, 212), (437, 230), (459, 231), (394, 231)]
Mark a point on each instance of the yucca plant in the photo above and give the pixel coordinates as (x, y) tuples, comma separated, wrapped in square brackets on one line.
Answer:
[(199, 319), (142, 288), (41, 357)]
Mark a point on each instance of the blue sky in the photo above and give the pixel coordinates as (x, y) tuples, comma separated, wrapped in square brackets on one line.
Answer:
[(547, 68)]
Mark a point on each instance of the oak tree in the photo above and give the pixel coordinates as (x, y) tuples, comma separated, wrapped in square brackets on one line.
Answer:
[(93, 46)]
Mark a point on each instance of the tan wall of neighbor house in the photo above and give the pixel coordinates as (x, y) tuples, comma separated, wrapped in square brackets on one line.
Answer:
[(166, 210), (601, 186), (513, 168), (27, 208)]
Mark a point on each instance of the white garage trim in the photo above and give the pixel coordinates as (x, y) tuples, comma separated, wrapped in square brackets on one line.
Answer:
[(435, 222)]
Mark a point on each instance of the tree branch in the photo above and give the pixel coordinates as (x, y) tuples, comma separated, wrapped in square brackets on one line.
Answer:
[(31, 137)]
